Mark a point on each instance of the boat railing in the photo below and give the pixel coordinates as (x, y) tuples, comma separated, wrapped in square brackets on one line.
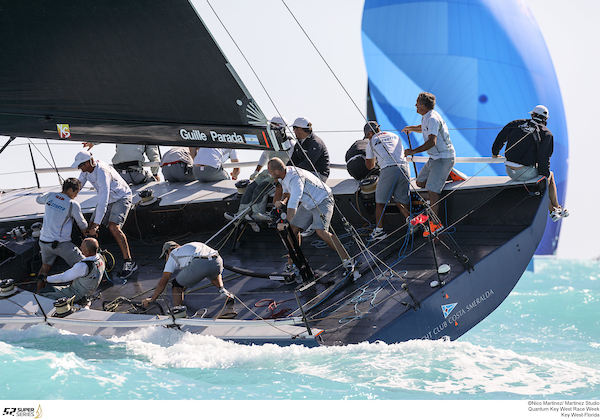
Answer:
[(410, 159)]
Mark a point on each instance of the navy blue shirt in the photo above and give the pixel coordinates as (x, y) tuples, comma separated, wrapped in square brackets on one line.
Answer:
[(317, 153), (528, 143)]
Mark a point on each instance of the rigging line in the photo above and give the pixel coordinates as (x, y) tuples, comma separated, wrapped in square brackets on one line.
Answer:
[(15, 173), (60, 179), (485, 202), (323, 184), (408, 178), (245, 58), (375, 275), (325, 61), (399, 130), (347, 299), (469, 179), (39, 151)]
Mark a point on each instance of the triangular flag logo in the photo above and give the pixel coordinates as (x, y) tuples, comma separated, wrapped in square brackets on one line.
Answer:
[(447, 309)]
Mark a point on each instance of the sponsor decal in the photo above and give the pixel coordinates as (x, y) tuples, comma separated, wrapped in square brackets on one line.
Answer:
[(251, 139), (219, 137), (63, 130), (192, 135), (227, 137), (452, 317)]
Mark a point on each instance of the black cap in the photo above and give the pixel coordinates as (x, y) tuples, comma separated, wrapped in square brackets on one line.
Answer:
[(371, 126)]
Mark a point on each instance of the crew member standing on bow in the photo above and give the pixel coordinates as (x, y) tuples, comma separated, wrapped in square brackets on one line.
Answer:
[(309, 203), (195, 261), (529, 146), (437, 143), (114, 203)]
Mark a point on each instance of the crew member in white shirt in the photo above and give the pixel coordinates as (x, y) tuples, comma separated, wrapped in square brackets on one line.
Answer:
[(61, 210), (114, 202), (208, 164), (437, 143), (307, 198), (128, 161), (386, 149), (194, 261)]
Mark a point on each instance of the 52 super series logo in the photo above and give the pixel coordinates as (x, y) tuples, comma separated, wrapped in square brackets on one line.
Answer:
[(30, 412)]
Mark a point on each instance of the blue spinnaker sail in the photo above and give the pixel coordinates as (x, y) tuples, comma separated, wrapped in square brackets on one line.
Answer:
[(486, 62)]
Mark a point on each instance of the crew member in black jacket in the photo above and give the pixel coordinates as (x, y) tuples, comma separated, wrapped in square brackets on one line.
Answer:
[(529, 146), (310, 150)]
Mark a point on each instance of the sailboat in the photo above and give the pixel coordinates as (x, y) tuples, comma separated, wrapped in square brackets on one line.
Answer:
[(158, 77)]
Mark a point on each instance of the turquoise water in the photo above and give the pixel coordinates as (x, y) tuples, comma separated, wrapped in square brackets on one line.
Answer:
[(543, 342)]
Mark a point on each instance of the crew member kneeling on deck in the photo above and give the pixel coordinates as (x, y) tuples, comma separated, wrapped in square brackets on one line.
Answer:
[(309, 203), (195, 261), (84, 276)]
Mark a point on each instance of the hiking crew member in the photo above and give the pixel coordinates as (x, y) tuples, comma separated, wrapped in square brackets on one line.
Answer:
[(208, 164), (177, 165), (529, 146)]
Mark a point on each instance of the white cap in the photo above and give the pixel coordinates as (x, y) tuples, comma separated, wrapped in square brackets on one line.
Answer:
[(302, 123), (81, 157), (278, 120), (540, 110)]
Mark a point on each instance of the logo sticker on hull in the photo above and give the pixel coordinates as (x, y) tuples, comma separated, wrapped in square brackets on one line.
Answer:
[(447, 309)]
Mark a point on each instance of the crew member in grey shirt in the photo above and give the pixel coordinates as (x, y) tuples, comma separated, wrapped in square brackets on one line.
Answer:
[(55, 239)]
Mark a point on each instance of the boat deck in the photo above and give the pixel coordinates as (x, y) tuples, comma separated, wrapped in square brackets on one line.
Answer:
[(396, 273)]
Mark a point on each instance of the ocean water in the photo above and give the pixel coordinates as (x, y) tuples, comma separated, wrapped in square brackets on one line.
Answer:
[(542, 343)]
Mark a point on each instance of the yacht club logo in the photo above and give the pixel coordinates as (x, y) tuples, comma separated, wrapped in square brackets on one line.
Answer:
[(447, 309)]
